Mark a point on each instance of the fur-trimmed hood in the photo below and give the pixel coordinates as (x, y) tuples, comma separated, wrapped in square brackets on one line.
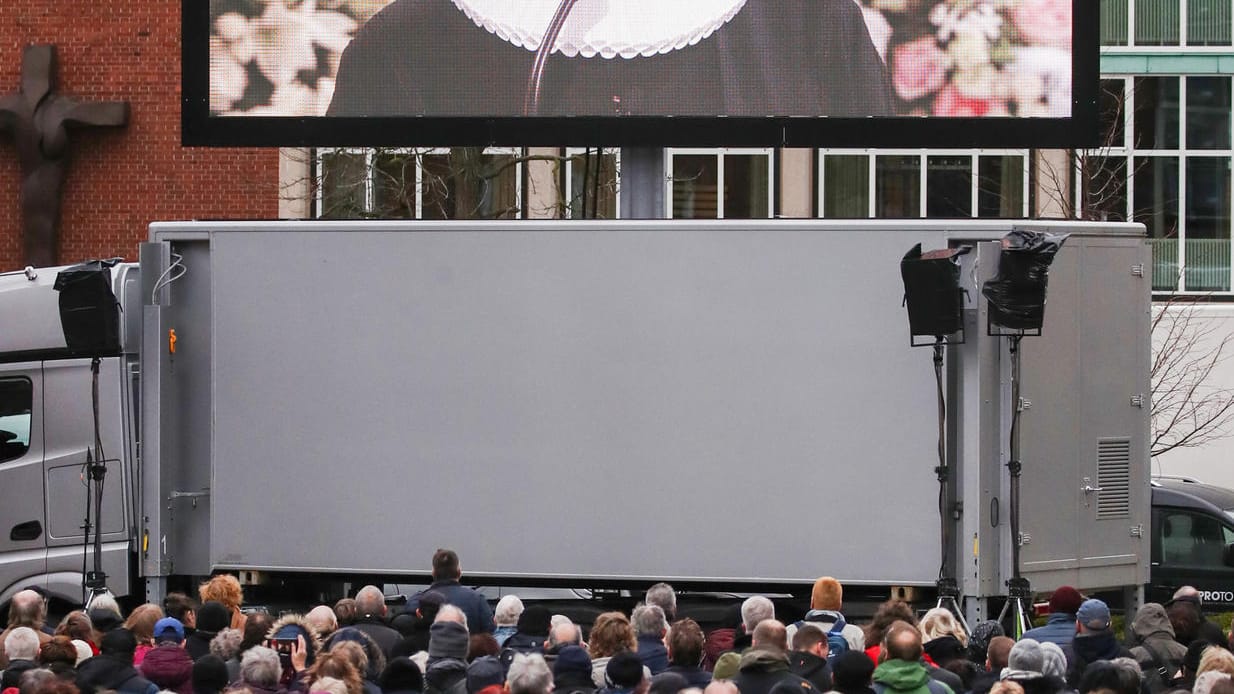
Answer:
[(293, 625), (376, 658)]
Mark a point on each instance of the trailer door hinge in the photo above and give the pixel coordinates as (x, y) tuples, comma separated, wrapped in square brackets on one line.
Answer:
[(1137, 270), (1026, 539), (1137, 531), (1137, 400), (1025, 404), (177, 494)]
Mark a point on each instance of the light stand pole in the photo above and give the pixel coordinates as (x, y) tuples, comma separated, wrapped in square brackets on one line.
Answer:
[(1019, 592)]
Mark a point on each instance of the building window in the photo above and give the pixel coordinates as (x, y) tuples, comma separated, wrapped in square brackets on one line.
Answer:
[(720, 184), (456, 183), (911, 184), (1167, 163), (589, 184), (1166, 23)]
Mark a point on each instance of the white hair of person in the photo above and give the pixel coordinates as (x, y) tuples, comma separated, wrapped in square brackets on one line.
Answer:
[(564, 633), (27, 609), (648, 620), (371, 601), (323, 619), (261, 666), (35, 679), (332, 685), (508, 610), (22, 643), (529, 674), (662, 594), (104, 601), (754, 610), (939, 622), (450, 613), (84, 652), (557, 620), (1204, 683)]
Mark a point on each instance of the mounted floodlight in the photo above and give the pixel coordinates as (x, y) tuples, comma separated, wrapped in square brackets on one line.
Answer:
[(933, 294), (1017, 292), (89, 312)]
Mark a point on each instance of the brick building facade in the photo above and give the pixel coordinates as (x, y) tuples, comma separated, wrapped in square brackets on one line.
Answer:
[(120, 180)]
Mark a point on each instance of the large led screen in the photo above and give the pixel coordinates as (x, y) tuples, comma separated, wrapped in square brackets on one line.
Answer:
[(640, 72)]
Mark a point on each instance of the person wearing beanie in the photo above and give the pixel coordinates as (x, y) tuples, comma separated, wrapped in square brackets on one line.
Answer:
[(851, 673), (727, 666), (209, 675), (625, 674), (447, 652), (826, 601), (1059, 627), (979, 642), (212, 618), (1158, 654), (666, 683), (484, 672), (1094, 640), (401, 676), (532, 631), (113, 668), (572, 671), (167, 664)]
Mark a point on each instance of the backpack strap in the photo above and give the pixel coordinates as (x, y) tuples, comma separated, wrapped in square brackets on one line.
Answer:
[(1161, 670)]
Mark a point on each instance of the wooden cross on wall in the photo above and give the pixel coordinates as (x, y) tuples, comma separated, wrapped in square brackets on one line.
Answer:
[(39, 121)]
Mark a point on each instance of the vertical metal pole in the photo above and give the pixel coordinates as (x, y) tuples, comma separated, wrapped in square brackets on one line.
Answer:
[(642, 183)]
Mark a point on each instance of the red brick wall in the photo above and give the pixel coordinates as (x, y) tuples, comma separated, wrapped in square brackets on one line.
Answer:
[(120, 180)]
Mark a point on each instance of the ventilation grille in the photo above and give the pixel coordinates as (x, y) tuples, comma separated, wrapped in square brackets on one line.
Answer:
[(1114, 478)]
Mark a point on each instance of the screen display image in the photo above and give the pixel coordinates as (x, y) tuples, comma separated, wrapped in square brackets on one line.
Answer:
[(504, 63)]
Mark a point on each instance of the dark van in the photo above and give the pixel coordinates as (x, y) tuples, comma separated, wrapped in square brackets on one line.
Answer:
[(1192, 542)]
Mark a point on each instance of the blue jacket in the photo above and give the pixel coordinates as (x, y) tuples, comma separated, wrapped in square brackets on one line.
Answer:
[(1058, 629), (479, 614), (652, 652)]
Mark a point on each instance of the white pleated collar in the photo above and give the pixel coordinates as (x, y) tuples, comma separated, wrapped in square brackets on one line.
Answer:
[(605, 28)]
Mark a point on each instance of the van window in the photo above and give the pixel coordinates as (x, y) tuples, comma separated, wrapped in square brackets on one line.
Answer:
[(16, 397), (1192, 539)]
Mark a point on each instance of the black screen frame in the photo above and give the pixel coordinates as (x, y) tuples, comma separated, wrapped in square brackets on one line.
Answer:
[(199, 128)]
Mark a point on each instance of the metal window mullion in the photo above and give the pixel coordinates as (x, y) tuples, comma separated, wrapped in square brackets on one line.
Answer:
[(822, 184), (922, 158), (669, 154), (1131, 23), (419, 159), (1025, 183), (974, 176), (1182, 22), (720, 195), (771, 181), (871, 188)]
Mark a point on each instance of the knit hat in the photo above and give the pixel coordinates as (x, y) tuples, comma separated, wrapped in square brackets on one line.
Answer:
[(624, 670), (727, 666), (401, 675), (1094, 615), (1026, 655), (979, 640), (1054, 661), (1066, 599), (447, 640), (852, 670), (667, 683), (84, 650), (104, 620), (209, 675), (572, 659), (483, 672), (168, 629), (535, 620), (119, 642), (213, 617)]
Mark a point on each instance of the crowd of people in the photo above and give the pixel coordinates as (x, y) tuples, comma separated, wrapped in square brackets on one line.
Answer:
[(447, 640)]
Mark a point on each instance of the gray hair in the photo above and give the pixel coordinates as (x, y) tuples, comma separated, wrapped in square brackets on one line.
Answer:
[(371, 601), (104, 601), (662, 594), (450, 613), (1205, 681), (333, 685), (509, 607), (754, 610), (529, 674), (226, 644), (260, 666), (323, 619), (648, 620), (22, 643), (564, 633), (34, 679)]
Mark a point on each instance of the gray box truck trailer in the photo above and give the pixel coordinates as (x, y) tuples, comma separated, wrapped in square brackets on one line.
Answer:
[(727, 405)]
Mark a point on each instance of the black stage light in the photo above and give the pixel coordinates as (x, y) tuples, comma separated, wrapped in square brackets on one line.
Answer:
[(1017, 293), (89, 312), (932, 292)]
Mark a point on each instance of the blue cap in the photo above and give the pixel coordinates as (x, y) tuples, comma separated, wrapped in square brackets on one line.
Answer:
[(168, 628), (1094, 615)]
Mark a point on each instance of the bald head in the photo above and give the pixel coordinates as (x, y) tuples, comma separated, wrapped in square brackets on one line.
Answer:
[(770, 633), (370, 601), (26, 610), (323, 619), (563, 634), (903, 642)]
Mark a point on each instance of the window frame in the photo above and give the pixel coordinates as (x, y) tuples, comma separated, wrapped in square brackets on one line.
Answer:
[(719, 153)]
